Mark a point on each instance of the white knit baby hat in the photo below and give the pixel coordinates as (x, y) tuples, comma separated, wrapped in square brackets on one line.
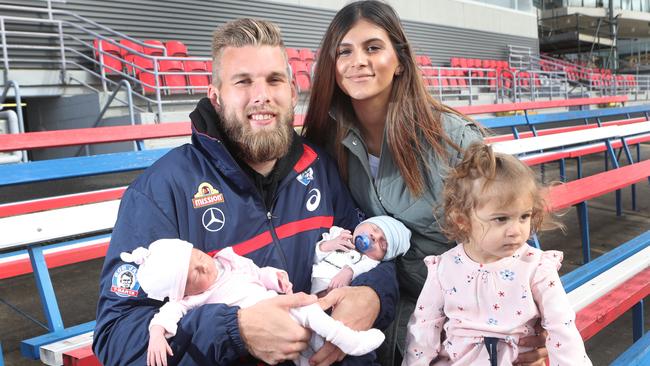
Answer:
[(162, 270)]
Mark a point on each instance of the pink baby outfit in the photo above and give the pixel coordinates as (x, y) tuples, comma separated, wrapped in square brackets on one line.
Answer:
[(502, 299)]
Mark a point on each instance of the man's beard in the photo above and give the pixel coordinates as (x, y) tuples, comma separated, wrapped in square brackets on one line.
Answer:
[(261, 145)]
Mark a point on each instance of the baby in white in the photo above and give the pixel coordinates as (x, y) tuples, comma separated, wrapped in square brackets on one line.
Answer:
[(342, 255)]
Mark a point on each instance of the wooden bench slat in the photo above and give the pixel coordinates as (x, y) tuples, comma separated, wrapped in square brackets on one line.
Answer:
[(39, 171), (507, 107), (96, 135), (60, 223), (56, 255), (597, 315), (69, 200), (574, 192), (82, 356)]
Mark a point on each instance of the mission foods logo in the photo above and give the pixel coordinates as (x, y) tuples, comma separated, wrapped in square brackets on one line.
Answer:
[(206, 195)]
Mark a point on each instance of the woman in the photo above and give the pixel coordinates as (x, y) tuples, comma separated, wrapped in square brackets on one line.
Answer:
[(393, 142)]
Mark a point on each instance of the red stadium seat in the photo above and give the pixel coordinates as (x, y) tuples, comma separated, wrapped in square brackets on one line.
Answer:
[(198, 83), (110, 56), (455, 62), (293, 54), (301, 75), (176, 49), (132, 45), (307, 55), (151, 51), (423, 60), (176, 83), (128, 54), (144, 73)]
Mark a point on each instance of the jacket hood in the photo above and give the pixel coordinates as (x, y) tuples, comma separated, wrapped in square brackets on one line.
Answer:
[(206, 120)]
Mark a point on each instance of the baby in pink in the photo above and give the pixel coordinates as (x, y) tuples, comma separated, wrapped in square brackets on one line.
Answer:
[(489, 291), (188, 277)]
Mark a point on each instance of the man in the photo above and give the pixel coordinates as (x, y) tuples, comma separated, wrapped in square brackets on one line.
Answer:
[(246, 181)]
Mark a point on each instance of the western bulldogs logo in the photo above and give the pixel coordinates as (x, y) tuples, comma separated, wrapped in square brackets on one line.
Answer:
[(305, 177), (124, 282)]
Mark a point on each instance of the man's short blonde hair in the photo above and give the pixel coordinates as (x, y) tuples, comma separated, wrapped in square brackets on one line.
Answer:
[(240, 33)]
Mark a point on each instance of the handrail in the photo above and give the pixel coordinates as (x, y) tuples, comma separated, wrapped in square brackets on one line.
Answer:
[(125, 84), (9, 84), (79, 17)]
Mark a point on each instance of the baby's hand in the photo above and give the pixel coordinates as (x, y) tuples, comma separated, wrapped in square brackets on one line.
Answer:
[(158, 347), (343, 242), (342, 279), (285, 285)]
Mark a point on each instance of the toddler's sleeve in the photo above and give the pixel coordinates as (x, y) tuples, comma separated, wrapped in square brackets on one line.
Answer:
[(425, 324), (564, 343)]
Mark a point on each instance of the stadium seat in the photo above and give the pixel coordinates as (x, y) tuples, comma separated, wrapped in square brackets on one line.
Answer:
[(151, 51), (128, 55), (208, 64), (198, 83), (301, 75), (176, 83), (293, 54), (144, 73), (176, 49), (110, 56), (423, 60), (307, 55)]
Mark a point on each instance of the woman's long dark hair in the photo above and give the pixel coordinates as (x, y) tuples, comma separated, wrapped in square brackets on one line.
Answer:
[(412, 113)]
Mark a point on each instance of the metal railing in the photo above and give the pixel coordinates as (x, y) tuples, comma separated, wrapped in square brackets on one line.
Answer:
[(448, 83), (71, 51), (15, 120)]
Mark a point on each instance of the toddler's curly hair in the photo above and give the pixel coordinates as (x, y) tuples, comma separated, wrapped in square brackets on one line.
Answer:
[(482, 176)]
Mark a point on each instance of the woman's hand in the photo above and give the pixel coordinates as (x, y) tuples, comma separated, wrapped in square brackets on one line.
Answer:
[(537, 356)]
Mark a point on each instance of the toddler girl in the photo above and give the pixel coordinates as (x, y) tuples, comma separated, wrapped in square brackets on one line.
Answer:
[(489, 290)]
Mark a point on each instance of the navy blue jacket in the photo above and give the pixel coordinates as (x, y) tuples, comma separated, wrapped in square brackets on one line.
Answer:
[(200, 194)]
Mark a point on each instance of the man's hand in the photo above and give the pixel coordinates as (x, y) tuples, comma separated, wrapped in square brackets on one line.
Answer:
[(158, 347), (341, 279), (343, 242), (537, 356), (270, 333), (357, 307)]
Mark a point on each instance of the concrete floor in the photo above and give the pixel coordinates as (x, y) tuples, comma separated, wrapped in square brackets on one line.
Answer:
[(77, 290)]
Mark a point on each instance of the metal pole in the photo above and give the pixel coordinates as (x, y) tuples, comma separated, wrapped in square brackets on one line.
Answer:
[(62, 50), (5, 57)]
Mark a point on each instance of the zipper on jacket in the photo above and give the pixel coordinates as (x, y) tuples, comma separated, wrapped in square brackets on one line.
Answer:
[(274, 235), (269, 214)]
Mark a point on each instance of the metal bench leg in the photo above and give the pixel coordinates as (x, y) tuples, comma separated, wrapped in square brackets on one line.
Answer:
[(2, 360), (637, 321), (579, 166), (562, 170), (45, 289), (583, 219)]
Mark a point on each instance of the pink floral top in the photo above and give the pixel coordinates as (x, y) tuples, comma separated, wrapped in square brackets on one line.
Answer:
[(502, 299)]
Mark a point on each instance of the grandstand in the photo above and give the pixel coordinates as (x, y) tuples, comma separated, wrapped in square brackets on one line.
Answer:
[(89, 84)]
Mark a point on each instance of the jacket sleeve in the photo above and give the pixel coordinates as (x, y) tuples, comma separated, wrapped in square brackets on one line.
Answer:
[(383, 278), (206, 335)]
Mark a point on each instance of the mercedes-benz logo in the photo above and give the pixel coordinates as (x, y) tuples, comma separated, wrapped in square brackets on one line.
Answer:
[(213, 219)]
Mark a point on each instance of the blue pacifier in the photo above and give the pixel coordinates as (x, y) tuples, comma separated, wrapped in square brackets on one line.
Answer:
[(362, 242)]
